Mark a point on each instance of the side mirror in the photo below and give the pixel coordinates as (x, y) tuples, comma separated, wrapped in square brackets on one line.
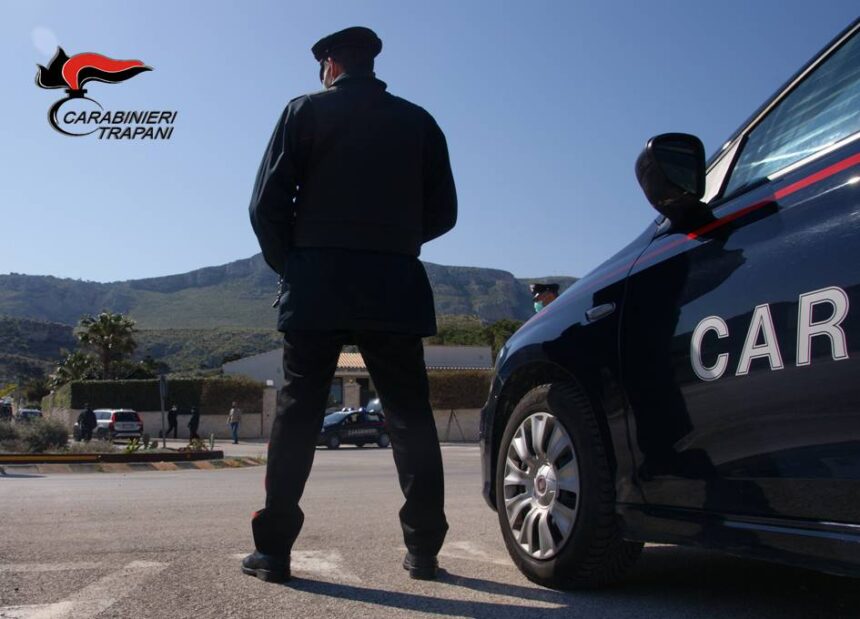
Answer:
[(671, 172)]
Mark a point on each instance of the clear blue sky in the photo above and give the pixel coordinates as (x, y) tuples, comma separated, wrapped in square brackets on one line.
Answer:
[(545, 105)]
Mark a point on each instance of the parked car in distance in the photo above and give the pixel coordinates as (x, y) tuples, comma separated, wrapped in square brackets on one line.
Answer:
[(354, 426), (28, 414), (113, 423)]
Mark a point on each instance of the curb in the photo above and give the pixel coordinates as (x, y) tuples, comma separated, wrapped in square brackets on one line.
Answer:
[(130, 467), (117, 457)]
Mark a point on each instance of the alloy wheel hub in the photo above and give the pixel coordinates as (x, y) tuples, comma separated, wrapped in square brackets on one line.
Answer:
[(541, 485)]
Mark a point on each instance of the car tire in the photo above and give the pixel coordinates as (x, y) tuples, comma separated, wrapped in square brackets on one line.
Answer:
[(559, 524), (383, 441), (332, 442)]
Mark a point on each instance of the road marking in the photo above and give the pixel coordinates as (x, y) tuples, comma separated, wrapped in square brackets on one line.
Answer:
[(92, 599), (325, 563), (32, 610), (471, 552), (46, 567)]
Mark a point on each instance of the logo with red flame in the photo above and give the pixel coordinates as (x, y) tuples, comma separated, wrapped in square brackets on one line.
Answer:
[(72, 73)]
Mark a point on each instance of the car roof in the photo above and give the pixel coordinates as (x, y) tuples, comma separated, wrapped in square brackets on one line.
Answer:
[(114, 410)]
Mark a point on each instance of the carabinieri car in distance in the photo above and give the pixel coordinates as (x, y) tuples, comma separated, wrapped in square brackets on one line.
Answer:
[(355, 426), (702, 386)]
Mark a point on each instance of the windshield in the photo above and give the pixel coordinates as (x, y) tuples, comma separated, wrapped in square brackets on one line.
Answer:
[(334, 418)]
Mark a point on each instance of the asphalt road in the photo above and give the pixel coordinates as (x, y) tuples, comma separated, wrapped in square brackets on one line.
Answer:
[(168, 544)]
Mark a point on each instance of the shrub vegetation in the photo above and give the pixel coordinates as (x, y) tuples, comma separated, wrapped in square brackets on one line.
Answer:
[(212, 396), (459, 389)]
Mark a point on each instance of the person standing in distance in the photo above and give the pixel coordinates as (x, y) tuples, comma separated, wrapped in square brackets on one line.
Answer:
[(193, 424), (543, 295), (172, 418), (88, 423), (234, 418), (353, 182)]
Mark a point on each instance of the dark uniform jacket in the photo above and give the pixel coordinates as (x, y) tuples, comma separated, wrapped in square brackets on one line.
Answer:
[(353, 181), (88, 420)]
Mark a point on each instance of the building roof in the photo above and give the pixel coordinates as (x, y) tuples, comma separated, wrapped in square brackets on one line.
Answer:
[(478, 360), (268, 365), (351, 361)]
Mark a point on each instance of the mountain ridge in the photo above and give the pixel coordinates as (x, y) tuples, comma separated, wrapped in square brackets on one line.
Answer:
[(238, 294)]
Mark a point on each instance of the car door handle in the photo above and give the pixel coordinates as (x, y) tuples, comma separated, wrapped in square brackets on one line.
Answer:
[(599, 311)]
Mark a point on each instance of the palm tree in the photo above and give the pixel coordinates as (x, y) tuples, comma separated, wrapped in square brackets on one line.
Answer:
[(76, 366), (110, 336)]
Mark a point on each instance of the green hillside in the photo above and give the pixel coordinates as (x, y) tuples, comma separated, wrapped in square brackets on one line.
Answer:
[(194, 321), (193, 349)]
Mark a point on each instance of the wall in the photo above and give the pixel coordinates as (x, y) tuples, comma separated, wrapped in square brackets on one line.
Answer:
[(264, 366), (459, 427), (458, 356), (209, 424), (217, 424), (67, 416)]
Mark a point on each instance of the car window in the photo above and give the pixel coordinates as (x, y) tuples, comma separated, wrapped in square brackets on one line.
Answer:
[(126, 416), (822, 110), (102, 415), (717, 171), (334, 418)]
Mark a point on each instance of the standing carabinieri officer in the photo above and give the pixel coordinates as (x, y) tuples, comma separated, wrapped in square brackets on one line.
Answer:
[(353, 182)]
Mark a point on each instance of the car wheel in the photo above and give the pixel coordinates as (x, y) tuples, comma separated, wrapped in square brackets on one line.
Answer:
[(333, 442), (383, 440), (555, 494)]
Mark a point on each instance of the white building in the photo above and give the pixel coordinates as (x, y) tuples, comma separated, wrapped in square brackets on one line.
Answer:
[(352, 385)]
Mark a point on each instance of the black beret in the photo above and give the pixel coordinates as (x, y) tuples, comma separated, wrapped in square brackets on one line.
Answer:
[(357, 36), (538, 289)]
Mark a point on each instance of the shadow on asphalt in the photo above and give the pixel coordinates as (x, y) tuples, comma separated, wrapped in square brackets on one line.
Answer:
[(667, 581)]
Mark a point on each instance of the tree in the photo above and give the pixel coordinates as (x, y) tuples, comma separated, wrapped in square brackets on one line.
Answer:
[(110, 336), (145, 368), (76, 366), (35, 389), (500, 331), (470, 331), (7, 390)]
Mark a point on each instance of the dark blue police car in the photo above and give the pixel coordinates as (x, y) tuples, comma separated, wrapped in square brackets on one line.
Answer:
[(702, 386), (354, 426)]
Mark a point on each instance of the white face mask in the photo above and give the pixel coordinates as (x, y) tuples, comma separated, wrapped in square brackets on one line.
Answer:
[(325, 76)]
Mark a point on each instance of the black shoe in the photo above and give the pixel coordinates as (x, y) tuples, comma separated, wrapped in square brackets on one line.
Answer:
[(421, 567), (267, 567)]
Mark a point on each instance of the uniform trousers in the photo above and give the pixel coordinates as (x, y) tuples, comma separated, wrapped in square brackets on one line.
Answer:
[(396, 365)]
